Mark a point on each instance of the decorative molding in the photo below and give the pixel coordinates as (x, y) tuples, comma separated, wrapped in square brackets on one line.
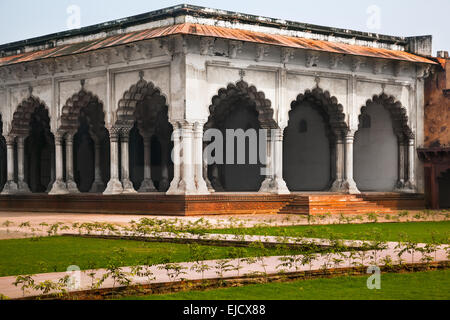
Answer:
[(207, 46), (357, 63), (378, 66), (262, 51), (287, 54), (336, 60), (235, 48), (312, 59)]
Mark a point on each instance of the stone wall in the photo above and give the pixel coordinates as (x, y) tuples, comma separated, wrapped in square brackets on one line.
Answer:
[(437, 106)]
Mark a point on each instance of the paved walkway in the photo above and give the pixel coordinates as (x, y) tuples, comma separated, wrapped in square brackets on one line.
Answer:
[(269, 265)]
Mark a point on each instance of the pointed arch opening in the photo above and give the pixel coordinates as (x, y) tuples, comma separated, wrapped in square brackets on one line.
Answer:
[(143, 114), (316, 121), (381, 139), (31, 124), (83, 118), (239, 107)]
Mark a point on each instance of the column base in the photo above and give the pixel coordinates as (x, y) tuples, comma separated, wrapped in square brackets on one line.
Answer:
[(164, 185), (209, 186), (217, 185), (97, 187), (187, 187), (114, 187), (338, 186), (128, 187), (202, 188), (22, 187), (72, 187), (274, 186), (10, 188), (174, 187), (350, 187), (58, 188), (410, 187), (147, 186)]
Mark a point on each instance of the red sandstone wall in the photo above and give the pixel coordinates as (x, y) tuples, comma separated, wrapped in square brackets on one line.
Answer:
[(437, 107)]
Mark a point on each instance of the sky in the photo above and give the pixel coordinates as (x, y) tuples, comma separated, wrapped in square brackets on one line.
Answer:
[(23, 19)]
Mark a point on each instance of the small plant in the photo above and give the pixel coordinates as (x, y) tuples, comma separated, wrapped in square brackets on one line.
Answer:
[(25, 282)]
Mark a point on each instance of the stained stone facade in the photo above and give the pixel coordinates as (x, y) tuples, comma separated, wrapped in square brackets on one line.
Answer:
[(122, 108)]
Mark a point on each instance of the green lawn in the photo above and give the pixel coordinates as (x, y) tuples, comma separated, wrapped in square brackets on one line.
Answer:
[(28, 256), (414, 231), (431, 285)]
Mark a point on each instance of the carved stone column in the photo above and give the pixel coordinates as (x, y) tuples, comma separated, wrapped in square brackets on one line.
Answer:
[(268, 181), (349, 183), (70, 181), (10, 186), (147, 185), (21, 184), (164, 184), (411, 183), (59, 186), (400, 186), (176, 136), (205, 172), (126, 182), (338, 184), (279, 185), (200, 182), (98, 185), (187, 183), (114, 184)]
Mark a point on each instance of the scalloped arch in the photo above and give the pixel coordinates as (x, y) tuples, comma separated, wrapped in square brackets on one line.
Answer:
[(397, 111), (218, 110), (20, 124), (73, 109), (328, 107), (129, 109)]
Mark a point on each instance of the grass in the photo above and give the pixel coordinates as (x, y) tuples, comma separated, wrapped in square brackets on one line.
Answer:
[(55, 254), (432, 285), (413, 231)]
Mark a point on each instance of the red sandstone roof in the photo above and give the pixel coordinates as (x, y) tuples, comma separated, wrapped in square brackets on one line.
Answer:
[(217, 32)]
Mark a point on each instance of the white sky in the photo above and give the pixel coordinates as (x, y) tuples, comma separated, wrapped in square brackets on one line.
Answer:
[(23, 19)]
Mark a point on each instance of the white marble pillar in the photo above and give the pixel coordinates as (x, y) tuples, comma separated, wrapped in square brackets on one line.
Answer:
[(10, 186), (400, 186), (176, 158), (200, 182), (349, 183), (266, 185), (338, 184), (279, 185), (70, 181), (98, 185), (59, 186), (187, 182), (165, 183), (126, 182), (114, 184), (147, 184), (411, 183), (21, 183), (205, 172)]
